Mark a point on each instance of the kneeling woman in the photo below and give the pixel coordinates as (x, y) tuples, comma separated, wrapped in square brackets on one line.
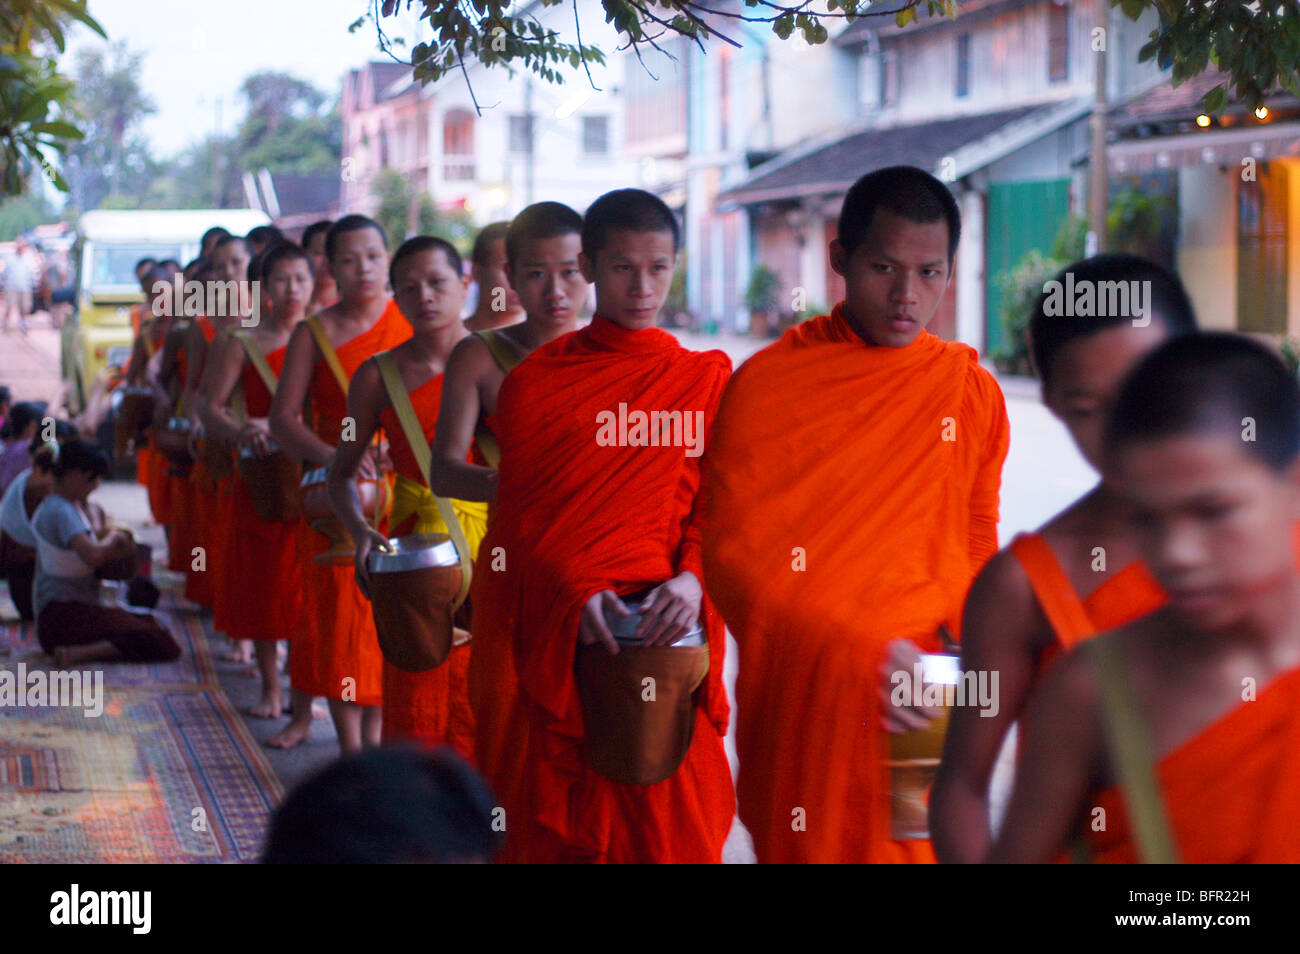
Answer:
[(71, 624)]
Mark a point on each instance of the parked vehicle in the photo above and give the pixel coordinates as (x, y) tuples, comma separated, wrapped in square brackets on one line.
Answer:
[(100, 332)]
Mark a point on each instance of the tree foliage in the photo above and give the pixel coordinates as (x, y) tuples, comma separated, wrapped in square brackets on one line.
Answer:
[(113, 156), (35, 116), (1257, 45), (286, 127)]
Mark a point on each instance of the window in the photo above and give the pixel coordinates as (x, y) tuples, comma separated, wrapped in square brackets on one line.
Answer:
[(458, 145), (1058, 41), (521, 134), (595, 135), (963, 65)]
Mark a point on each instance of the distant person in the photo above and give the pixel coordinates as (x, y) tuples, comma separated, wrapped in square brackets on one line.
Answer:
[(72, 624), (325, 292), (263, 237), (17, 289), (142, 269), (19, 428), (17, 507), (497, 304), (208, 244), (387, 806)]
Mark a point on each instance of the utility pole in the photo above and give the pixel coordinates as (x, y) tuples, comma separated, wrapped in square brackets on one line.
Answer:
[(1099, 185), (216, 154), (531, 155)]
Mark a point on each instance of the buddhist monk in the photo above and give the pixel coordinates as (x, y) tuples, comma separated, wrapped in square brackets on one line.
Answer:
[(172, 376), (430, 708), (853, 495), (264, 237), (1078, 574), (139, 311), (1174, 737), (324, 293), (497, 304), (263, 554), (336, 653), (585, 514), (542, 248), (142, 371), (230, 310), (208, 243)]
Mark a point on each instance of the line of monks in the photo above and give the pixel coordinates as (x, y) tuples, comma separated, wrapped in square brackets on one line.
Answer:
[(841, 522)]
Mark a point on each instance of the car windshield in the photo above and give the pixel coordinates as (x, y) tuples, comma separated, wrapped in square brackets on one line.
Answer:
[(115, 264)]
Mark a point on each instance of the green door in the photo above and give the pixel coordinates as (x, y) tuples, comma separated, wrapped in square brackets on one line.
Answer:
[(1021, 216)]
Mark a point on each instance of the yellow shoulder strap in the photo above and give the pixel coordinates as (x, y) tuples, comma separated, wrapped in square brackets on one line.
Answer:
[(327, 351), (1130, 745), (502, 353), (506, 358), (401, 401), (258, 359)]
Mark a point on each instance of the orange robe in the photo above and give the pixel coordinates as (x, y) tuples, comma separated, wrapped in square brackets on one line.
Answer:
[(500, 725), (430, 708), (574, 518), (180, 531), (1122, 598), (265, 578), (1231, 793), (335, 651), (200, 585), (151, 466), (852, 497)]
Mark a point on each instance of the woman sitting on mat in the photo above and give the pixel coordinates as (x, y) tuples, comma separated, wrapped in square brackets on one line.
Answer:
[(71, 623), (17, 543)]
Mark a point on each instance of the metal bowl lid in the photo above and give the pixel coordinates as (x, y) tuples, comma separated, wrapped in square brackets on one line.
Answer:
[(418, 551), (247, 452), (316, 475), (179, 424), (624, 629)]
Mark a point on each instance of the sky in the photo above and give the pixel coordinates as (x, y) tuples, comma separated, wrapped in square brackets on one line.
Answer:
[(197, 52)]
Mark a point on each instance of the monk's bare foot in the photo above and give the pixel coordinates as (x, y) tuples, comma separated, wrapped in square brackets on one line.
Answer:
[(266, 709), (241, 652), (289, 736)]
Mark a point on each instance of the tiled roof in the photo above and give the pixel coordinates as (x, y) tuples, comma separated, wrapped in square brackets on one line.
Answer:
[(834, 166), (1167, 102), (882, 23)]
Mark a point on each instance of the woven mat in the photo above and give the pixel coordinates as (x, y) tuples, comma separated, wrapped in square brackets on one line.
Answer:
[(167, 773)]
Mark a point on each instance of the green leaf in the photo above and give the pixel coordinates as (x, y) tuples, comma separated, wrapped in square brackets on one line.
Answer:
[(905, 16), (1134, 8), (1214, 101), (59, 129)]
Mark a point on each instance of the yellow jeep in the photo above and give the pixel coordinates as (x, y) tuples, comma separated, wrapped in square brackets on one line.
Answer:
[(100, 333)]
